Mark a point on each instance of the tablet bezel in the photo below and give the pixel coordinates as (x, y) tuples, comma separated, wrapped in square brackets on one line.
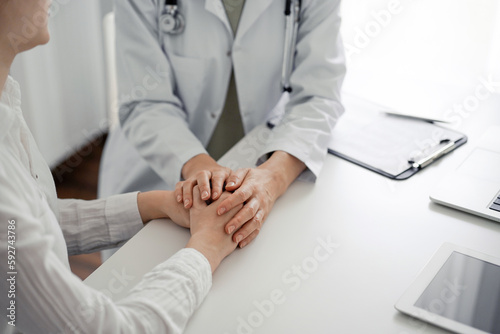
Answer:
[(406, 304)]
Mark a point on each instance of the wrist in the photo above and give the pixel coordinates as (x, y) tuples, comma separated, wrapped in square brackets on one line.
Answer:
[(211, 253), (168, 204), (153, 205), (285, 168)]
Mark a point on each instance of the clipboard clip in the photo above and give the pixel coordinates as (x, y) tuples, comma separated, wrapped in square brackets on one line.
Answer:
[(434, 155)]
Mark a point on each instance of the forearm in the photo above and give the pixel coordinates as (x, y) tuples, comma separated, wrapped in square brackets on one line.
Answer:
[(89, 226), (314, 106), (208, 248)]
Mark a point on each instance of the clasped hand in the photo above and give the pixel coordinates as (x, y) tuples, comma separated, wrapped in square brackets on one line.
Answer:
[(255, 189)]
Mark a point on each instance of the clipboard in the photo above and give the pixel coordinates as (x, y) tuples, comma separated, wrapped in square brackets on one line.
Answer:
[(393, 146)]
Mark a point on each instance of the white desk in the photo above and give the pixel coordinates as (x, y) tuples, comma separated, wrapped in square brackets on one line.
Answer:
[(384, 233)]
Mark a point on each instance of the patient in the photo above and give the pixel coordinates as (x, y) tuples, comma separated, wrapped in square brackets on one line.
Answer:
[(38, 231)]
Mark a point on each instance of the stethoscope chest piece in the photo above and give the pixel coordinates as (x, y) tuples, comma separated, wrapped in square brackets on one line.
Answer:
[(171, 21)]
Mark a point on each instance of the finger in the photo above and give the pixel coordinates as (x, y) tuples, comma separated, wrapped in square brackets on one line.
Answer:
[(187, 193), (178, 192), (234, 211), (253, 225), (197, 201), (238, 197), (236, 178), (203, 179), (244, 215), (249, 239), (218, 179)]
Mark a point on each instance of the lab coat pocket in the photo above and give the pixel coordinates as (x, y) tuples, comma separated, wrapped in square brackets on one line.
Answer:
[(190, 76)]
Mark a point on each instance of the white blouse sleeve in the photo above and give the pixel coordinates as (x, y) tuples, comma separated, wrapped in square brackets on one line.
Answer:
[(48, 298), (90, 226)]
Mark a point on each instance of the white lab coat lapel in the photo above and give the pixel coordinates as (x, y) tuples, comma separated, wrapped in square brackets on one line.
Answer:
[(216, 7), (253, 9)]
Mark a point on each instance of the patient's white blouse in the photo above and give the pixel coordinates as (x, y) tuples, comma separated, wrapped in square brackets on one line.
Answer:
[(48, 297)]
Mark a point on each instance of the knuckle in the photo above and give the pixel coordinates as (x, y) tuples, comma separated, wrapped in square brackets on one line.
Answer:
[(202, 173), (239, 172), (218, 175), (244, 193), (224, 171), (259, 219), (247, 213), (241, 219), (259, 224), (252, 210)]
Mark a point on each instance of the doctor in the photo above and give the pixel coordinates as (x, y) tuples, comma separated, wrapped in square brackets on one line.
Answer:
[(188, 93)]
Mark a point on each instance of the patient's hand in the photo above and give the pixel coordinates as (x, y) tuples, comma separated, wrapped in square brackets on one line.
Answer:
[(161, 204), (207, 229), (176, 211)]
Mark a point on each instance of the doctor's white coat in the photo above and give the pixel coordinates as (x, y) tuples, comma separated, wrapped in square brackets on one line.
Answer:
[(172, 87)]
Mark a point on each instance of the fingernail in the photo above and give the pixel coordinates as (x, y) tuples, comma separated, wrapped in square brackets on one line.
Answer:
[(186, 203), (179, 198), (204, 195), (230, 229), (243, 244), (230, 184), (214, 196), (238, 239), (222, 210)]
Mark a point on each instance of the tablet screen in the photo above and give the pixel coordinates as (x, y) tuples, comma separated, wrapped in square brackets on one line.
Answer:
[(466, 290)]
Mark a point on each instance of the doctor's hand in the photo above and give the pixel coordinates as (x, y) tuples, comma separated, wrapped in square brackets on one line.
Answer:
[(207, 229), (204, 171), (258, 189)]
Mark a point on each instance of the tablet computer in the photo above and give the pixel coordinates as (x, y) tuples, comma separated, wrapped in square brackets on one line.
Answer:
[(458, 290)]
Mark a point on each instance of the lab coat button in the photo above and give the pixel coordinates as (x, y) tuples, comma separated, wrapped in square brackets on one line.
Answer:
[(213, 115), (229, 53)]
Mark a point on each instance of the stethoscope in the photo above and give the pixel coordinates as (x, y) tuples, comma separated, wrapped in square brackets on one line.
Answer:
[(172, 22)]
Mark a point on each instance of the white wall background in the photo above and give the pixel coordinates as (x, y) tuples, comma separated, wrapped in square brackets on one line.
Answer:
[(424, 44), (425, 47), (63, 83)]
